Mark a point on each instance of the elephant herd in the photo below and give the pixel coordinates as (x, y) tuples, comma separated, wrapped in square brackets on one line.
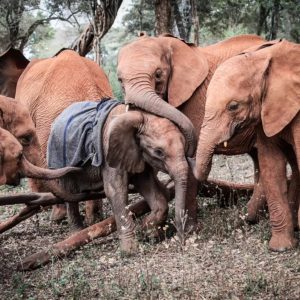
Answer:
[(182, 105)]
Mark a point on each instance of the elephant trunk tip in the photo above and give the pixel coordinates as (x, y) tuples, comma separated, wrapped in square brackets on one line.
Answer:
[(200, 176)]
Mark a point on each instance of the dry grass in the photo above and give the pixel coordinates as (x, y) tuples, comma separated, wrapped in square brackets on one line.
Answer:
[(227, 260)]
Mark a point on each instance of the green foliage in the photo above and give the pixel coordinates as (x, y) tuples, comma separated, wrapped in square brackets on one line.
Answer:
[(140, 16), (111, 43), (220, 19)]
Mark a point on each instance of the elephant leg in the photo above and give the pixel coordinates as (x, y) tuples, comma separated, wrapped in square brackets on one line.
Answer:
[(93, 211), (74, 216), (299, 215), (192, 224), (116, 190), (296, 147), (293, 197), (294, 186), (59, 211), (257, 202), (273, 174), (155, 195)]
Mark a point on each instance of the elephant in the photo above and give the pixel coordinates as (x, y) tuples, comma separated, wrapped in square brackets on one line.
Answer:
[(46, 87), (169, 77), (261, 88), (14, 165), (15, 118), (133, 142)]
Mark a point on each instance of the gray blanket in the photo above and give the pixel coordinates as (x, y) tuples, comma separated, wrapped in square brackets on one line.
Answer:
[(76, 134)]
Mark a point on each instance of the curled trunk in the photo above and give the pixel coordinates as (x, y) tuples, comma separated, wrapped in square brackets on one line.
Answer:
[(143, 96)]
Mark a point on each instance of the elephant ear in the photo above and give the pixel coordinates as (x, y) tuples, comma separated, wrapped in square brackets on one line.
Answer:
[(189, 69), (12, 65), (123, 150), (281, 101)]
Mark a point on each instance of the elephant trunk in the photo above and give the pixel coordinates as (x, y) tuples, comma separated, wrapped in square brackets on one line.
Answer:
[(32, 171), (180, 176), (205, 150), (50, 185), (143, 96)]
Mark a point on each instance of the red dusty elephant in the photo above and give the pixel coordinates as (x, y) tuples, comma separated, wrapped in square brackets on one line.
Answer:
[(18, 138), (14, 165), (46, 87), (168, 77), (260, 88), (132, 142)]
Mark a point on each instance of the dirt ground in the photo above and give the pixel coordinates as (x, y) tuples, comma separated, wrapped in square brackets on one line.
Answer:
[(228, 259)]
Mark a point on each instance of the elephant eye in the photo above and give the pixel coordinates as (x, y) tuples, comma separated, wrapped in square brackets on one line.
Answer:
[(26, 139), (233, 105), (159, 153), (158, 73)]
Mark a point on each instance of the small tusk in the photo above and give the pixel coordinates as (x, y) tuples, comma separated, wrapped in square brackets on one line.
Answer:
[(126, 107), (225, 144)]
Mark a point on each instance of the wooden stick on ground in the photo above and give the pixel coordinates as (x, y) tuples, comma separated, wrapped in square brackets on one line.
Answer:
[(63, 248), (34, 202), (24, 214), (101, 229)]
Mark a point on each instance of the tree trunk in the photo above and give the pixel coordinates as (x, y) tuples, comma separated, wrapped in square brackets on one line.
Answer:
[(140, 11), (183, 17), (83, 44), (274, 20), (163, 16), (263, 14), (196, 25), (104, 14)]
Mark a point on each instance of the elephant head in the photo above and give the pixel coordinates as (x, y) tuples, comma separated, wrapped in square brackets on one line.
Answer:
[(261, 85), (154, 70), (136, 138), (14, 165), (15, 118)]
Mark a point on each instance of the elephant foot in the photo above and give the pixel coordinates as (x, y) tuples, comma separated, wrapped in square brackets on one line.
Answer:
[(76, 227), (75, 223), (255, 211), (59, 212), (92, 219), (129, 247), (93, 211), (154, 234), (282, 242), (193, 226)]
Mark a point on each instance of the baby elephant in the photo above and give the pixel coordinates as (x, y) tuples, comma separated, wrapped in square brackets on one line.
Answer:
[(14, 166), (134, 143)]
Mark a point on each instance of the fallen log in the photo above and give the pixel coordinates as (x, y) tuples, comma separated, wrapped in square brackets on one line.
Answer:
[(43, 199), (102, 229), (24, 214), (35, 202), (78, 239), (227, 193)]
